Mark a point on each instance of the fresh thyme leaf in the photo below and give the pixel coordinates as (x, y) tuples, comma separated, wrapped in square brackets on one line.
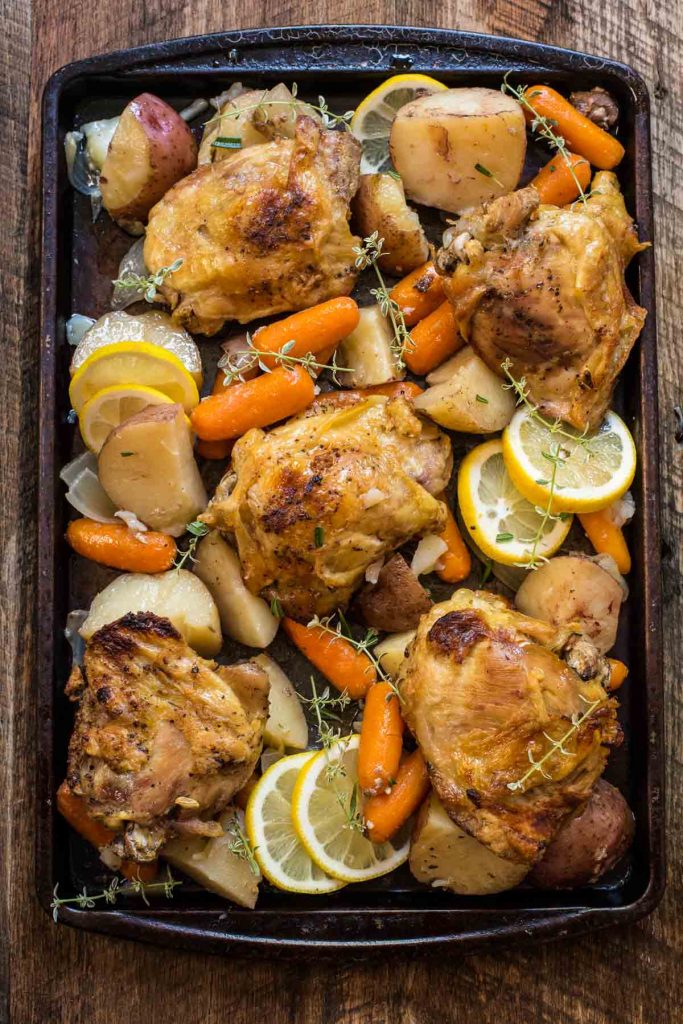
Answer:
[(318, 536), (502, 538), (556, 747), (276, 608), (116, 888), (487, 173), (367, 255), (227, 142), (147, 286), (236, 365), (261, 111), (240, 845), (126, 455), (484, 401), (197, 530)]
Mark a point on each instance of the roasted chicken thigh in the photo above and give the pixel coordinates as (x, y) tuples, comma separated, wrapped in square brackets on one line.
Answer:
[(312, 504), (261, 232), (163, 739), (512, 717), (543, 287)]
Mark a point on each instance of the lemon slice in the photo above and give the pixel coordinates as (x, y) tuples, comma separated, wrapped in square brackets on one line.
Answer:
[(280, 855), (371, 123), (592, 471), (133, 362), (111, 406), (502, 523), (326, 815)]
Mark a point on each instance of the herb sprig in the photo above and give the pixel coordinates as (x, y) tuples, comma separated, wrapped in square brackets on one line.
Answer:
[(116, 888), (240, 845), (367, 255), (261, 114), (342, 630), (234, 368), (147, 286), (556, 746), (197, 530)]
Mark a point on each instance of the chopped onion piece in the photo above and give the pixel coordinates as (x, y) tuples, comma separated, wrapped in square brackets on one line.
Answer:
[(110, 859), (195, 108), (88, 497), (623, 509), (607, 563), (427, 554), (87, 460), (372, 497), (76, 326), (131, 521), (372, 572)]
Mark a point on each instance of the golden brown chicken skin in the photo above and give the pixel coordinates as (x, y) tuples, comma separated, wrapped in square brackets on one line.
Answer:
[(163, 738), (261, 232), (313, 503), (486, 692), (543, 287)]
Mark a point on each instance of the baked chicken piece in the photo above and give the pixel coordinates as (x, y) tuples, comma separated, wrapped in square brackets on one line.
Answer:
[(313, 503), (489, 694), (163, 739), (262, 232), (543, 287)]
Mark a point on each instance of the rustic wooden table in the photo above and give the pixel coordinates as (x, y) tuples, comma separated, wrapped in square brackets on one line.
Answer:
[(51, 974)]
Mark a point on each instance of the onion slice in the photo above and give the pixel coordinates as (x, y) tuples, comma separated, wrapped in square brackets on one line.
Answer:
[(427, 554), (86, 493)]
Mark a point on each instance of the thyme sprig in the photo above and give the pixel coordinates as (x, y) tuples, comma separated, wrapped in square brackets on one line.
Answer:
[(197, 530), (557, 457), (327, 711), (556, 746), (367, 254), (342, 630), (240, 845), (234, 368), (556, 427), (147, 286), (261, 114), (115, 889)]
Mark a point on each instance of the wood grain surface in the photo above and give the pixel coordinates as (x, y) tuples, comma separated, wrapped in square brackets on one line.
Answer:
[(51, 974)]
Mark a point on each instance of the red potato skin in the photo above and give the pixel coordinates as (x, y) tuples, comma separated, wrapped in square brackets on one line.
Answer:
[(153, 135)]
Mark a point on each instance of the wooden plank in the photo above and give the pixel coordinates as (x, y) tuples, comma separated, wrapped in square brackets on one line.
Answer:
[(623, 976)]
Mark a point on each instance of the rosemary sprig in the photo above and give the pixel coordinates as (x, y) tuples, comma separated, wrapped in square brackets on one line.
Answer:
[(329, 119), (197, 530), (234, 369), (116, 888), (556, 746), (149, 285), (367, 255), (240, 845)]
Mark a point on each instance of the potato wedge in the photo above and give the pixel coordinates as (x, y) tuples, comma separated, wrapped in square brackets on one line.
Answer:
[(465, 395), (391, 651), (397, 601), (213, 864), (244, 616), (445, 857), (286, 725), (176, 595), (147, 466), (150, 150), (367, 352), (380, 205), (458, 148), (254, 116)]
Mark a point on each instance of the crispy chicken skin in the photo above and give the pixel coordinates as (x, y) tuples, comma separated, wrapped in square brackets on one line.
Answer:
[(484, 690), (163, 738), (544, 287), (261, 232), (313, 503)]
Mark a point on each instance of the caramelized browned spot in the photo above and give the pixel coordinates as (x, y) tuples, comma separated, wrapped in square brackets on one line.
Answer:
[(456, 632)]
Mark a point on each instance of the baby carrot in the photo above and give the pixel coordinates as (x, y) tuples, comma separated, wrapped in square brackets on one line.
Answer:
[(344, 666), (581, 135), (218, 450), (434, 339), (394, 389), (119, 548), (312, 330), (558, 182), (381, 740), (456, 563), (255, 403), (606, 537), (618, 673), (419, 293), (384, 814)]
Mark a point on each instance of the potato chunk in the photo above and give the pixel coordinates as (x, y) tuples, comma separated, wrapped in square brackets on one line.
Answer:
[(367, 352), (286, 725), (465, 395), (380, 205), (391, 651)]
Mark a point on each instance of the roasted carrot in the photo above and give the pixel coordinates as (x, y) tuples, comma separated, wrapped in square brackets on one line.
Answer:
[(618, 673), (384, 814), (394, 389), (581, 135), (456, 561), (433, 340), (140, 871), (312, 330), (113, 544), (419, 293), (215, 450), (381, 740), (338, 660), (558, 182), (255, 403), (606, 537)]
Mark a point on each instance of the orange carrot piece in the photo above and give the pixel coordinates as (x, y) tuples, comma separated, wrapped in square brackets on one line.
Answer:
[(606, 537), (381, 740), (457, 561), (581, 135), (139, 871), (618, 673), (556, 183), (419, 293), (254, 403), (384, 814), (394, 389), (215, 450), (119, 548), (312, 330), (434, 339), (344, 666)]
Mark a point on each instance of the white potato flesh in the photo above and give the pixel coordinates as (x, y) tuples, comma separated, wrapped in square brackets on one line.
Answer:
[(254, 116), (176, 595), (444, 856), (367, 352), (244, 616), (147, 466), (380, 205), (465, 395), (444, 144), (286, 725), (392, 651)]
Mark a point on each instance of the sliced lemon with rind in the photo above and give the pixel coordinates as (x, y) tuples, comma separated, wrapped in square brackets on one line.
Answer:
[(593, 471), (134, 362), (279, 853), (326, 815), (111, 406), (372, 120), (500, 520)]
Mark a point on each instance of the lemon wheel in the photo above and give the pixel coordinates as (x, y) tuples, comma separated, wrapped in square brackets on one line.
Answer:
[(371, 123), (129, 363), (111, 406)]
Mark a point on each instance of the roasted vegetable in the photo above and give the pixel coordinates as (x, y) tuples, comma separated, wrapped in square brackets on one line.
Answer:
[(286, 725), (392, 651), (598, 106), (465, 395), (380, 205), (368, 352), (396, 601)]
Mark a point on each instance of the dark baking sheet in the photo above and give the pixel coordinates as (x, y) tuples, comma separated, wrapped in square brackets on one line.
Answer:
[(79, 259)]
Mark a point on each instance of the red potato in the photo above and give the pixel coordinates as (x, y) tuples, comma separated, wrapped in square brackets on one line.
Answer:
[(151, 149), (397, 601)]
